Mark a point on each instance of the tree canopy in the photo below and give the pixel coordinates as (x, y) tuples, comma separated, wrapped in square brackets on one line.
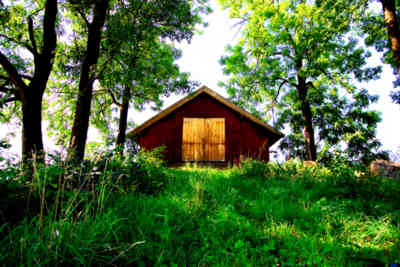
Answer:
[(92, 37), (299, 62)]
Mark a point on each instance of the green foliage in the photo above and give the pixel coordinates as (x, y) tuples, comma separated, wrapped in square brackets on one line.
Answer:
[(8, 161), (295, 52), (137, 61), (77, 187), (372, 27), (259, 214), (16, 46), (152, 168)]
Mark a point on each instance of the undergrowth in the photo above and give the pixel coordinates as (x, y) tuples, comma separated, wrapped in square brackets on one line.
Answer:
[(256, 215)]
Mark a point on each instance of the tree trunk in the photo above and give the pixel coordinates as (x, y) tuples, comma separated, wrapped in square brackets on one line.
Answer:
[(392, 26), (307, 117), (83, 106), (32, 142), (31, 96), (123, 119)]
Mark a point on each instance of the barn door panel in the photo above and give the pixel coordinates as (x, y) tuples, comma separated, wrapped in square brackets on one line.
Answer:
[(193, 139), (215, 139), (203, 139)]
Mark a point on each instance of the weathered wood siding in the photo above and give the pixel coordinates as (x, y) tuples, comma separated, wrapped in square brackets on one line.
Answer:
[(242, 137), (203, 139), (193, 142), (214, 139)]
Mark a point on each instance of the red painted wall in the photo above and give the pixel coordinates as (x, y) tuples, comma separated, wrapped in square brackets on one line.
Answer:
[(243, 137)]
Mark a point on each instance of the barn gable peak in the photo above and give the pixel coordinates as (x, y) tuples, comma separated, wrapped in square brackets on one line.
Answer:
[(205, 90)]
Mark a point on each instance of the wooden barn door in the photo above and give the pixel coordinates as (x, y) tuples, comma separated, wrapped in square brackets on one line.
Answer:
[(214, 149), (203, 139), (192, 139)]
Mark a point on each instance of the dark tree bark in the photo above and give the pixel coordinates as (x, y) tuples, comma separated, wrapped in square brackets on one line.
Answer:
[(123, 118), (307, 117), (31, 95), (32, 144), (392, 26), (87, 77)]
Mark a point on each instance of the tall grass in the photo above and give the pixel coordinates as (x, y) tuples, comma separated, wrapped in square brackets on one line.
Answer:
[(257, 215), (66, 220)]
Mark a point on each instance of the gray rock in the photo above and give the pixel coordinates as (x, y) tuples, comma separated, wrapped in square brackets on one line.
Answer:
[(384, 168)]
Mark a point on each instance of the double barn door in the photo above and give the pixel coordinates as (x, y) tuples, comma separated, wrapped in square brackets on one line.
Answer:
[(203, 139)]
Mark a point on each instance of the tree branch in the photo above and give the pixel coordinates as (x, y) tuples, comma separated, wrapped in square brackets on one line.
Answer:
[(13, 73), (287, 81), (8, 100), (32, 35), (279, 89), (114, 99), (8, 90), (26, 45), (83, 16)]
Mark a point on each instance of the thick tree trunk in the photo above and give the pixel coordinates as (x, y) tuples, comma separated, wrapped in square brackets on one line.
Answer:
[(32, 142), (83, 106), (31, 96), (307, 117), (123, 119), (392, 26)]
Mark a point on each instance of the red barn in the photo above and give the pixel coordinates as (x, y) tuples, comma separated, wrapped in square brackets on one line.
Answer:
[(205, 127)]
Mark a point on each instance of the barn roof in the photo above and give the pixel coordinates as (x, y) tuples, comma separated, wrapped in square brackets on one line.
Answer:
[(204, 89)]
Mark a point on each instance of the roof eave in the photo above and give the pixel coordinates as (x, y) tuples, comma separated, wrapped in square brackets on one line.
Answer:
[(204, 89)]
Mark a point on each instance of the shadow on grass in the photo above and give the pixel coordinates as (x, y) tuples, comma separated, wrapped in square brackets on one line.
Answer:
[(338, 222), (219, 218)]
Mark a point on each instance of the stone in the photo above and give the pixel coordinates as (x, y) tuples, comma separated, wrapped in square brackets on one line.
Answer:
[(384, 168)]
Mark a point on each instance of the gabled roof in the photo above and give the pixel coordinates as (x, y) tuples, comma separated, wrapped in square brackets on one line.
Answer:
[(204, 89)]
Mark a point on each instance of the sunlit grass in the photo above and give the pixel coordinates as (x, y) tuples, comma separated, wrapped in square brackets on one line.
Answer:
[(258, 215)]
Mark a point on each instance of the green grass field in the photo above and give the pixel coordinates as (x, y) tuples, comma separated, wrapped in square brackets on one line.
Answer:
[(258, 215)]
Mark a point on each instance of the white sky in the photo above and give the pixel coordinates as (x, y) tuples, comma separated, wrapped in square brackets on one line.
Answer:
[(201, 57)]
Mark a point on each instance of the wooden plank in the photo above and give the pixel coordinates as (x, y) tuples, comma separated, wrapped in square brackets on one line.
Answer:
[(215, 139), (193, 139), (186, 147), (217, 97), (198, 139)]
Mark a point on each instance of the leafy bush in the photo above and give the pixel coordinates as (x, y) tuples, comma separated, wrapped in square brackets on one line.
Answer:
[(290, 169), (76, 184), (152, 177), (253, 168)]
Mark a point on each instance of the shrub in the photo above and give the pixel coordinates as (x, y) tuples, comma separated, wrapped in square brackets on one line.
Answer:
[(152, 168), (254, 168), (71, 185)]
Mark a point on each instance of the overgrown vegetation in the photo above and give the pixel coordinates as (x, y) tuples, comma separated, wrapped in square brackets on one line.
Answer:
[(135, 211)]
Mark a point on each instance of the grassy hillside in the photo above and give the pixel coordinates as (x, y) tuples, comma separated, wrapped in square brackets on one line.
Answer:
[(258, 215)]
